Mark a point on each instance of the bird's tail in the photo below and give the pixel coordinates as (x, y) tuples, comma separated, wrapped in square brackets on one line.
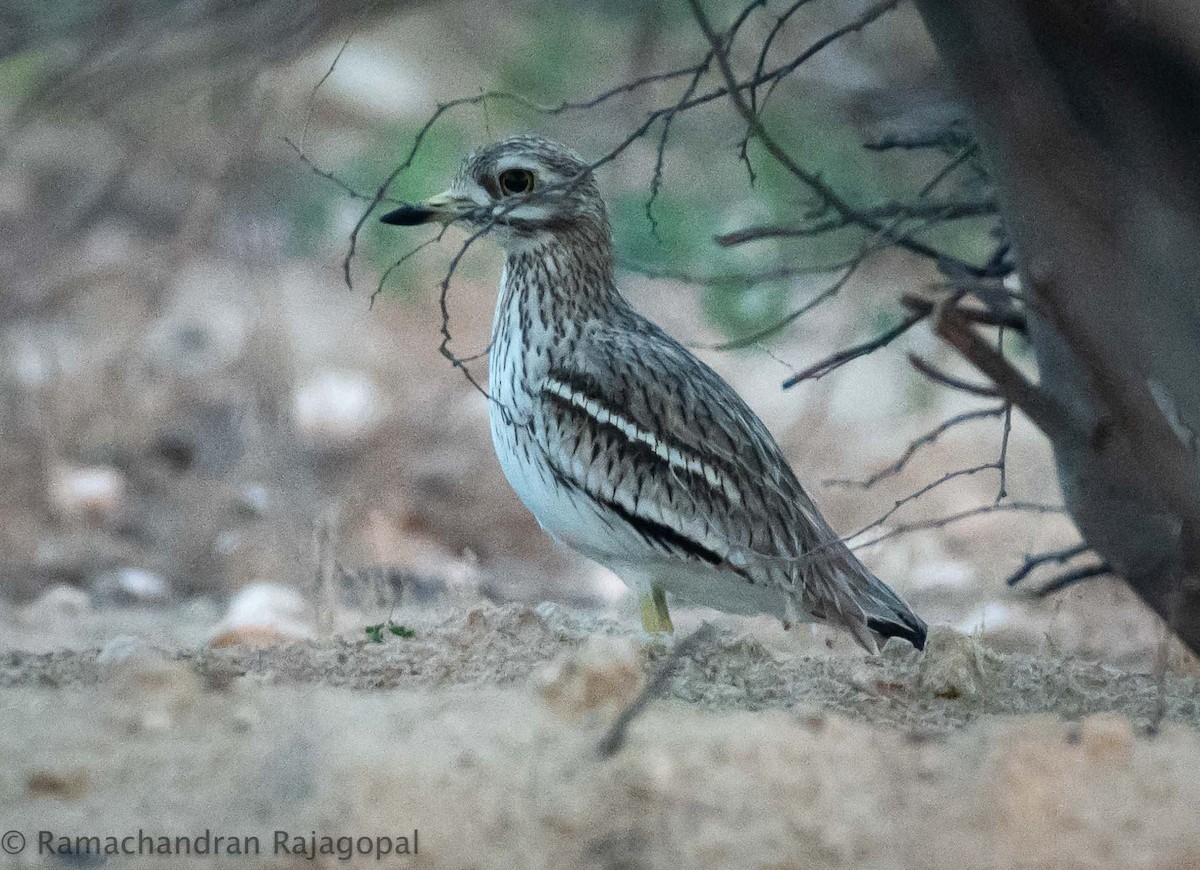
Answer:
[(860, 602)]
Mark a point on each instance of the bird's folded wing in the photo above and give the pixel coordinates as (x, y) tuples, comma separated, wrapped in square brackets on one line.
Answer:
[(654, 436)]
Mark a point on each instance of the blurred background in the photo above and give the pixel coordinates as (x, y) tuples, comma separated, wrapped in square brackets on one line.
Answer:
[(193, 403)]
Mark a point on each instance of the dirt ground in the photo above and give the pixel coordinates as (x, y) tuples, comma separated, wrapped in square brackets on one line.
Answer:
[(479, 733)]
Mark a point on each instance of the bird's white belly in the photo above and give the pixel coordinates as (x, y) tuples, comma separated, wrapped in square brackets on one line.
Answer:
[(565, 513)]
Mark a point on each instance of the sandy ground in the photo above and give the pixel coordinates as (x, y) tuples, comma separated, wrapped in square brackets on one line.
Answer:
[(480, 734)]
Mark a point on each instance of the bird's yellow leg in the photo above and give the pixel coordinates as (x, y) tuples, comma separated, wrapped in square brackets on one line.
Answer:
[(656, 619)]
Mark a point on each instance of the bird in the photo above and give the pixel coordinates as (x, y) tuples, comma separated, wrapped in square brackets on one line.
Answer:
[(621, 442)]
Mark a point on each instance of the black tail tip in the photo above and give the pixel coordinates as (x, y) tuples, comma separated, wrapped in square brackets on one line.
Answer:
[(907, 626)]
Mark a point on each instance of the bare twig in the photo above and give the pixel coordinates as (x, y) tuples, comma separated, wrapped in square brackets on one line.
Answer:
[(869, 15), (660, 155), (839, 359), (765, 49), (942, 522), (940, 377), (347, 188), (924, 490), (1004, 318), (400, 262), (916, 445), (1070, 578), (813, 181), (1006, 431), (615, 738), (780, 273), (312, 95), (933, 210), (443, 302), (1010, 383), (1032, 563), (795, 314), (949, 138)]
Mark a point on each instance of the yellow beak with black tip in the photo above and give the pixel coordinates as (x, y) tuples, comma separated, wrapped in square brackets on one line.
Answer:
[(445, 208)]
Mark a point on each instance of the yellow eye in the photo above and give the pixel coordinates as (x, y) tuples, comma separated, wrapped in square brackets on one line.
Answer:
[(516, 181)]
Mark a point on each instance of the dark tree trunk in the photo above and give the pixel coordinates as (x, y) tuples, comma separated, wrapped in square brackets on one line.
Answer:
[(1089, 114)]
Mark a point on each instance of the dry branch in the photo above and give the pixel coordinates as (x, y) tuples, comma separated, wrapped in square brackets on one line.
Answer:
[(917, 444)]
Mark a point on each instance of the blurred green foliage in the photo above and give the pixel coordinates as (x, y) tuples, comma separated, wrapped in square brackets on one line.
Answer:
[(20, 76)]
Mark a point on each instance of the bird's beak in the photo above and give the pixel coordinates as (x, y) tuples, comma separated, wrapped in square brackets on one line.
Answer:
[(445, 208)]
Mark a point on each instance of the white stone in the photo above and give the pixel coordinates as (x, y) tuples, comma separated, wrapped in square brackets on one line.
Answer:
[(58, 603), (132, 586), (255, 499), (91, 492), (334, 409), (265, 613)]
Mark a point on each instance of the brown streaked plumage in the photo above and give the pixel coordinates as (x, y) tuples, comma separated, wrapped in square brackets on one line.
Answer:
[(622, 443)]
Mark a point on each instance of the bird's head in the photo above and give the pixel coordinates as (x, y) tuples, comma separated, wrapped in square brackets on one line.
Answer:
[(520, 189)]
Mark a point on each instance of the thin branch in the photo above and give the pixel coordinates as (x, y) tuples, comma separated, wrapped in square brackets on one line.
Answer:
[(924, 490), (1011, 384), (948, 138), (1006, 431), (443, 302), (660, 156), (780, 22), (812, 180), (1002, 317), (766, 332), (400, 262), (942, 522), (869, 15), (940, 377), (352, 192), (936, 211), (744, 144), (1032, 563), (915, 447), (1002, 493), (1070, 578), (615, 737), (312, 95), (962, 157), (839, 359), (780, 273)]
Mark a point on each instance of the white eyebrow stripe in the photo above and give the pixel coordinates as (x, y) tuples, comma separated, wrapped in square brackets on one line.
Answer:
[(673, 456), (518, 161)]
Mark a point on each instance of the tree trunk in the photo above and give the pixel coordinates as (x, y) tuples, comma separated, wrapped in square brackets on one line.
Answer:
[(1089, 114)]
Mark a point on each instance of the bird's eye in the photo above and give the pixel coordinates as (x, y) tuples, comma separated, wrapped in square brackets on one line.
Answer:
[(516, 181)]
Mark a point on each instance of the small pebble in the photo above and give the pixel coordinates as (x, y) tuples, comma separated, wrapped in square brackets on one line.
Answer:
[(94, 494), (131, 586), (265, 614), (953, 664), (58, 603), (333, 410)]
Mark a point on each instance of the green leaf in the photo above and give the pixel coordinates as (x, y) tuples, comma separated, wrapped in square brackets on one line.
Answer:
[(400, 630)]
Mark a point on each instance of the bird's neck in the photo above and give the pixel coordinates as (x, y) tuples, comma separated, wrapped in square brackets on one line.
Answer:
[(562, 278)]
